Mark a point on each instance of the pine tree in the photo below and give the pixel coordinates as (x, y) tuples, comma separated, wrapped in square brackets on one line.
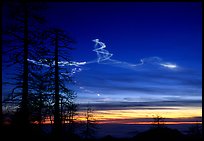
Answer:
[(20, 40), (90, 123), (59, 42)]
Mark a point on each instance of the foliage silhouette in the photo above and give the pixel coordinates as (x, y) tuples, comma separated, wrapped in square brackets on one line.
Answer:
[(160, 134), (20, 37), (90, 124)]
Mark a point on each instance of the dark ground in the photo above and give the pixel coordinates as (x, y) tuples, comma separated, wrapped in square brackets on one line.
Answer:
[(151, 134)]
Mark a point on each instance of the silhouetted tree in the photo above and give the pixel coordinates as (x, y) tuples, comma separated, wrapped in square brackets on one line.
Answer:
[(21, 39), (59, 42), (158, 122), (39, 95), (68, 115), (90, 123), (68, 111), (25, 45)]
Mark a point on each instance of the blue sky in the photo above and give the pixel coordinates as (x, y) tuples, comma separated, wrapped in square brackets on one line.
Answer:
[(133, 31)]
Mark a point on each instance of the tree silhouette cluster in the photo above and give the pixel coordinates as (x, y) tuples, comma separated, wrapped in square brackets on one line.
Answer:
[(40, 93)]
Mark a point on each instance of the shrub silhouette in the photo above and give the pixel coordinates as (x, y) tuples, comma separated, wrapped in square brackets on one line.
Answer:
[(160, 134)]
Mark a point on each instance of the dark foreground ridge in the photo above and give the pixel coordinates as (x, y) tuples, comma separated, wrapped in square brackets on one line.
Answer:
[(34, 133)]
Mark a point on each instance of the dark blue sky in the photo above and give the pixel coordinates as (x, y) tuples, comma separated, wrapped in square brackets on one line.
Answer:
[(133, 31), (148, 29)]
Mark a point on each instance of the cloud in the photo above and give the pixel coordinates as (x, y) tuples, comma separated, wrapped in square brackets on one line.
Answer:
[(104, 57), (114, 80), (135, 83), (150, 119), (152, 105)]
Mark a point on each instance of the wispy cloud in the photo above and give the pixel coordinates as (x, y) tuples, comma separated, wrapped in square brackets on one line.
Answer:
[(104, 57), (152, 105), (153, 82), (150, 120)]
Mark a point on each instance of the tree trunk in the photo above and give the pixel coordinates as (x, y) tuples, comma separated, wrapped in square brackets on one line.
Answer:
[(40, 109), (24, 106), (57, 121)]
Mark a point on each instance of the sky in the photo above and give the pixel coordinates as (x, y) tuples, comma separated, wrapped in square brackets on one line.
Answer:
[(146, 59)]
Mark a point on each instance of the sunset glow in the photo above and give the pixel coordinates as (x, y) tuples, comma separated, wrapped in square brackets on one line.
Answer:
[(177, 116), (119, 115)]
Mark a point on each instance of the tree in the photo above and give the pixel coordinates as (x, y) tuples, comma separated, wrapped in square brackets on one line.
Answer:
[(68, 115), (25, 42), (59, 42), (158, 122), (90, 123), (20, 37), (39, 96)]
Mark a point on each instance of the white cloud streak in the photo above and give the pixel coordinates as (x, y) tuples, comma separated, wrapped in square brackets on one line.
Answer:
[(104, 57)]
